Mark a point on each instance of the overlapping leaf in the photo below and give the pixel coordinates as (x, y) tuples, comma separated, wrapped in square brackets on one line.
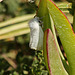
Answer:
[(52, 56), (64, 30)]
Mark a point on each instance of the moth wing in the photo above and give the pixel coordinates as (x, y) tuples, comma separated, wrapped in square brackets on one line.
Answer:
[(34, 38), (40, 43)]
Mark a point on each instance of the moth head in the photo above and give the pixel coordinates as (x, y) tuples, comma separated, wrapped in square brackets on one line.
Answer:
[(34, 23)]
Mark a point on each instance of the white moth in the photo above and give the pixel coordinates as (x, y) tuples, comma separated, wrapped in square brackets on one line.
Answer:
[(36, 34)]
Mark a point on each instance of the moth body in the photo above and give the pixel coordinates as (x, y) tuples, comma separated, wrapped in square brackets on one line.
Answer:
[(36, 34)]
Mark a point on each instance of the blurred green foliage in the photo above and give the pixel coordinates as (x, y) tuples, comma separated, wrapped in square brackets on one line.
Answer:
[(29, 62), (12, 8)]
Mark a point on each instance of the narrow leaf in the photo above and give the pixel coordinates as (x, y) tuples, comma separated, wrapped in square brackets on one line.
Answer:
[(51, 54), (15, 33), (16, 20), (13, 27)]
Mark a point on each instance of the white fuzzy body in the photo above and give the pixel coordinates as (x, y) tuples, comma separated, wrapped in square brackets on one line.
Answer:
[(36, 34)]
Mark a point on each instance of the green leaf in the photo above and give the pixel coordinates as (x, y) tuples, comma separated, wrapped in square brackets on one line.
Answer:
[(65, 32), (51, 54)]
